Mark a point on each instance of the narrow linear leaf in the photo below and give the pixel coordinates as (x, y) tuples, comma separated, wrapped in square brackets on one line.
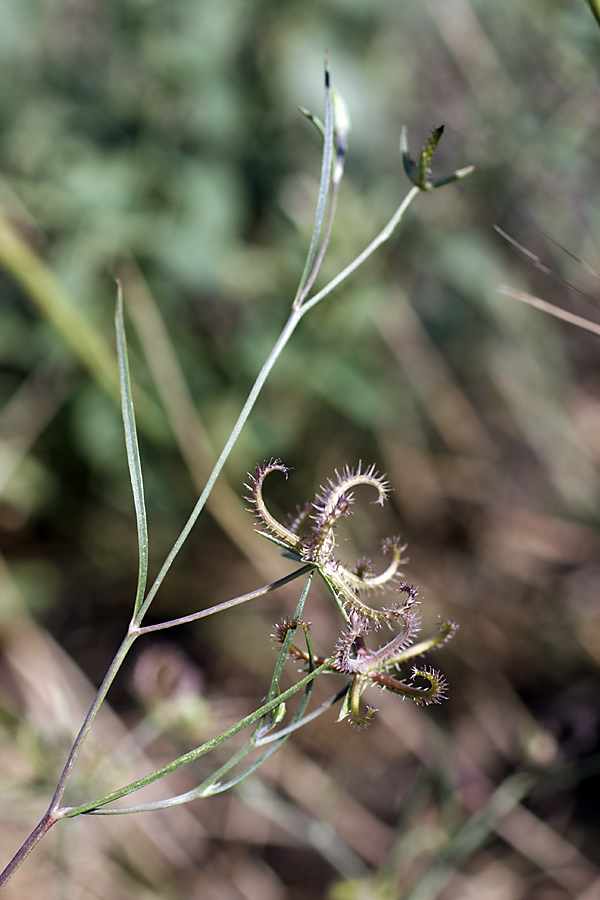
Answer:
[(94, 806), (324, 184), (594, 5), (314, 119), (283, 654), (133, 452)]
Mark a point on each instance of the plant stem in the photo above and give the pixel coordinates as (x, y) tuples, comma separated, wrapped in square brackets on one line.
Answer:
[(277, 737), (282, 340), (92, 713), (295, 316), (54, 811), (227, 604), (93, 805), (381, 238), (36, 835)]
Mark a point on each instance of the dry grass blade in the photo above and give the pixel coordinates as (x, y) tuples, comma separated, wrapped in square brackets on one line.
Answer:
[(551, 309), (454, 416), (548, 270), (31, 408), (475, 55)]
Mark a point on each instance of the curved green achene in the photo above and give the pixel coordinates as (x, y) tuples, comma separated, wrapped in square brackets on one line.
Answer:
[(446, 631), (378, 582), (288, 539), (317, 548), (356, 691), (369, 668), (433, 694)]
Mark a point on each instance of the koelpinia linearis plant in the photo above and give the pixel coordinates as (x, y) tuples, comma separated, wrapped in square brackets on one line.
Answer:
[(314, 551), (347, 586)]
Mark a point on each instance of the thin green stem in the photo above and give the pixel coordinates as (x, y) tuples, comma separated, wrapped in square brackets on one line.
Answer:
[(323, 248), (208, 788), (227, 604), (212, 785), (273, 689), (220, 788), (89, 719), (289, 328), (282, 341), (295, 726), (135, 630), (324, 186), (381, 238), (181, 761), (36, 835), (204, 789)]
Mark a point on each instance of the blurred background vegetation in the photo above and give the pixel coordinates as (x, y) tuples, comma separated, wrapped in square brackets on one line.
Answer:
[(159, 142)]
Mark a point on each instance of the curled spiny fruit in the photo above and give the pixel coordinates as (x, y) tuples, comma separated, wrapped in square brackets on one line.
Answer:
[(274, 528), (361, 722), (348, 648), (281, 628), (390, 654), (321, 545), (410, 590), (317, 547), (446, 631), (348, 599), (352, 656), (256, 480), (328, 505), (363, 568), (364, 581), (374, 667), (435, 692), (300, 517)]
